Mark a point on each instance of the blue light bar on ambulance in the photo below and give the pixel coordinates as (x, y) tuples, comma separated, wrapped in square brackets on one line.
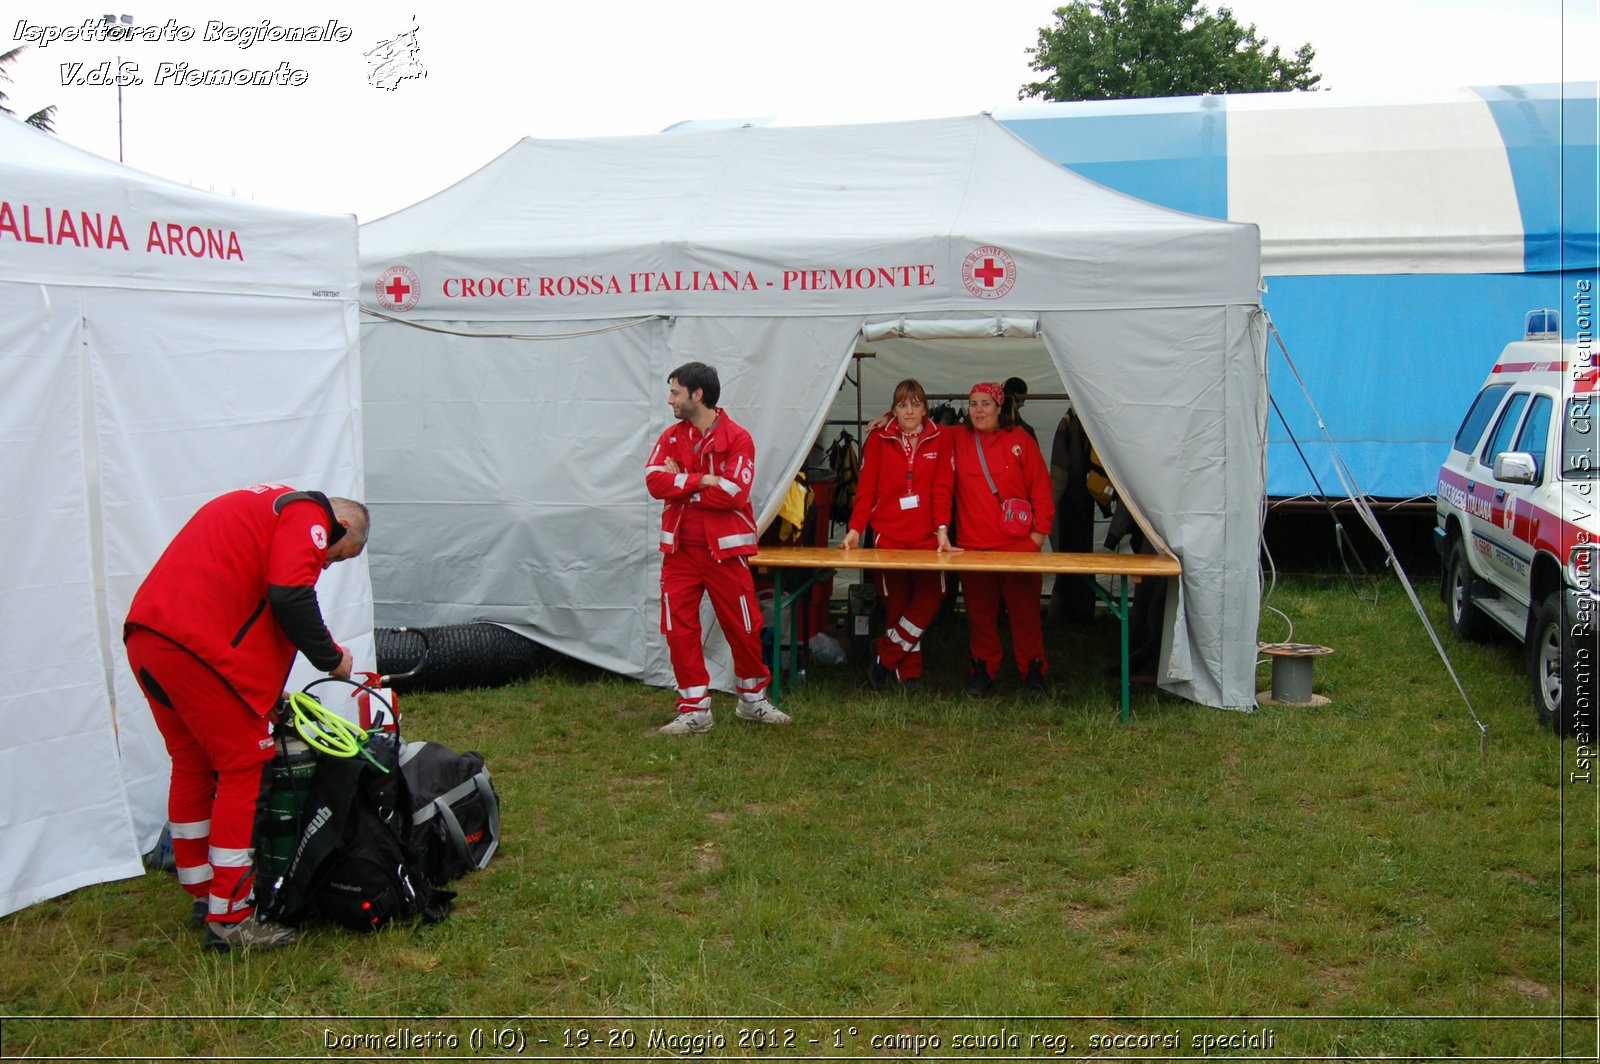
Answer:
[(1542, 325)]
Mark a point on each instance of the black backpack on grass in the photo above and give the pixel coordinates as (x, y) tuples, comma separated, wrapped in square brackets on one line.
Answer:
[(355, 863), (456, 823)]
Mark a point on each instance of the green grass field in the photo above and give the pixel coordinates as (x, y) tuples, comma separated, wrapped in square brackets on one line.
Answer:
[(1356, 880)]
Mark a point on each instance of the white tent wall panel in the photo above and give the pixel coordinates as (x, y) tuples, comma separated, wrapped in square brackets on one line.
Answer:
[(1244, 485), (474, 444), (1165, 431), (64, 816), (193, 398)]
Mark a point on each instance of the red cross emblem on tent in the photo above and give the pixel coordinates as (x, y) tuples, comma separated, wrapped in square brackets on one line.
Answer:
[(989, 272), (398, 288)]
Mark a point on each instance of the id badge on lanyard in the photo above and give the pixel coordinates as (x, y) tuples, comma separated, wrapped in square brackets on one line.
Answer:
[(910, 500)]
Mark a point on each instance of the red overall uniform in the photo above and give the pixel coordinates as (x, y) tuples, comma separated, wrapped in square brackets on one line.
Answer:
[(904, 493), (706, 533), (205, 641), (1018, 470)]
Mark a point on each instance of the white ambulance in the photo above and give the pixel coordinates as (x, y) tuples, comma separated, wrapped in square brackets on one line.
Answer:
[(1517, 515)]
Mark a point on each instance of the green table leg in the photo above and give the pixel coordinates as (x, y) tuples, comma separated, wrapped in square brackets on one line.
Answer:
[(777, 637), (1122, 615), (794, 627), (781, 604), (1119, 606)]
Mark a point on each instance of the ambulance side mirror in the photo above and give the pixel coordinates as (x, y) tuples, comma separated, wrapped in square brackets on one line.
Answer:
[(1515, 467)]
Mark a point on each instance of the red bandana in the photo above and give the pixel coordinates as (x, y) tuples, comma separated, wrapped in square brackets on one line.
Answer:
[(990, 388)]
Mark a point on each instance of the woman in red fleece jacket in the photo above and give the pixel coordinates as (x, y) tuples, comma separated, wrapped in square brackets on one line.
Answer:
[(904, 494), (1017, 470)]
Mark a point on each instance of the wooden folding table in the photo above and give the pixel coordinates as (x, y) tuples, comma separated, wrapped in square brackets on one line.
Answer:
[(1123, 566)]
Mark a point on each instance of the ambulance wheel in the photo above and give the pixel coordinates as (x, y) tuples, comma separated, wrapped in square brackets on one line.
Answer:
[(1551, 664), (1469, 623)]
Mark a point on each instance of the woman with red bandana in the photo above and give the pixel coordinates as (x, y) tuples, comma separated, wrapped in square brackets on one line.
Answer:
[(996, 461), (904, 494)]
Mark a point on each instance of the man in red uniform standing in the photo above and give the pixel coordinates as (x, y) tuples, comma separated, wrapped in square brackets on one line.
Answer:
[(211, 636), (702, 468)]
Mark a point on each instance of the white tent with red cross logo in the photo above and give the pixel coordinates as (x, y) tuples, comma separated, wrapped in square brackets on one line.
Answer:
[(525, 319), (158, 346)]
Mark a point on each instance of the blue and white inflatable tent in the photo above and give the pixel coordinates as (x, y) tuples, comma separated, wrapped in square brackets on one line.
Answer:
[(1402, 241)]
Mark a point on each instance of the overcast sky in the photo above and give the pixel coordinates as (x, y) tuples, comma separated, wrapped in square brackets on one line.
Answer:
[(337, 135)]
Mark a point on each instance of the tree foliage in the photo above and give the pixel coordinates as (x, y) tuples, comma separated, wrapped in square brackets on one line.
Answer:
[(1122, 49), (43, 119)]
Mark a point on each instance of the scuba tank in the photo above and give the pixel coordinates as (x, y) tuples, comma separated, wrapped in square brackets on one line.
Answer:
[(279, 822)]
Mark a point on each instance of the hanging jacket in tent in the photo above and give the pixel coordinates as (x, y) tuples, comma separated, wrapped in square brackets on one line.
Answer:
[(845, 459), (793, 511)]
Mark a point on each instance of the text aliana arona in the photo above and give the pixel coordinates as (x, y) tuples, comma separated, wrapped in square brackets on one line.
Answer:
[(64, 227)]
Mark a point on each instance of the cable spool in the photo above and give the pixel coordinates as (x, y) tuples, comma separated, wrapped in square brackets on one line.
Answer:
[(1291, 674)]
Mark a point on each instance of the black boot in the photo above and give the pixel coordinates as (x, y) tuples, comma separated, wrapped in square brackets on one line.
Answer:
[(877, 675), (1036, 685), (980, 686)]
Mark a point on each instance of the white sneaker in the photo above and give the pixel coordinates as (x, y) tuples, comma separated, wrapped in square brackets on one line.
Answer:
[(762, 712), (249, 933), (691, 723)]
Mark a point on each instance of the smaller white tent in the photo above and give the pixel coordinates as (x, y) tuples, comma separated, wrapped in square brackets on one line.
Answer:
[(531, 313), (158, 346)]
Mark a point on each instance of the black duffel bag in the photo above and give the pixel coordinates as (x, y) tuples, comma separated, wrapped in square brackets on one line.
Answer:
[(456, 824)]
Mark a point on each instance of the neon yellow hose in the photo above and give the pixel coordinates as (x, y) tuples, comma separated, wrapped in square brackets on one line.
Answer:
[(325, 731)]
